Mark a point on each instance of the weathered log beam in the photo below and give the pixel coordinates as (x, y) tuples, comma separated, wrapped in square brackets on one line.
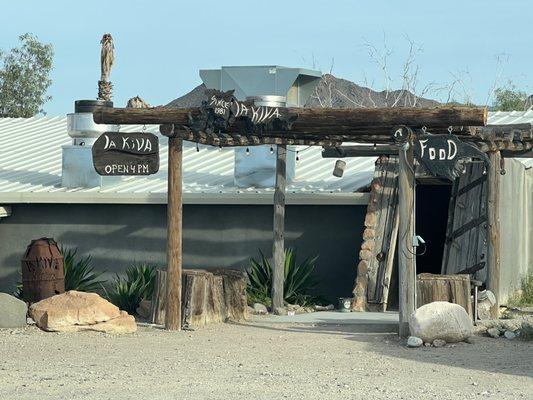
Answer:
[(278, 137), (508, 149), (315, 117), (359, 151), (231, 140)]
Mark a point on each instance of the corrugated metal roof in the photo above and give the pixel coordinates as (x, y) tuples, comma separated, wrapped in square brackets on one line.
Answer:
[(513, 117), (510, 117), (30, 171)]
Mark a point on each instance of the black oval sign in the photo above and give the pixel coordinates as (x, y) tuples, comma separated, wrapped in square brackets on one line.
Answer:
[(121, 153)]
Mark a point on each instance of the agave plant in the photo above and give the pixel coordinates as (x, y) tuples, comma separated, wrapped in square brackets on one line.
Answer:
[(298, 280), (127, 292), (79, 273)]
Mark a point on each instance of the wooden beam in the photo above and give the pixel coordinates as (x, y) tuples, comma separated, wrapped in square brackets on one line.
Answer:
[(359, 151), (174, 235), (493, 229), (278, 246), (406, 257), (313, 118)]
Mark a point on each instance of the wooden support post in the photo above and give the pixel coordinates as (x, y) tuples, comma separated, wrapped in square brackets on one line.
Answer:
[(406, 257), (174, 235), (493, 229), (278, 246)]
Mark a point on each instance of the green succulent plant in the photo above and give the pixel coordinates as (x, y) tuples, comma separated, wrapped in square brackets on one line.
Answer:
[(126, 292), (299, 279)]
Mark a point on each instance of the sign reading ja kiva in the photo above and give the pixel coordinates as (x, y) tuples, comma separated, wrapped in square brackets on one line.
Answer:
[(445, 155), (134, 153)]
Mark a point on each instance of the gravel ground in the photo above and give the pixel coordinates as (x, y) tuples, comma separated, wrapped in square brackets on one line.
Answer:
[(258, 361)]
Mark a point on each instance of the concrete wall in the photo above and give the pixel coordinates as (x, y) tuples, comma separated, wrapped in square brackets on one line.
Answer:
[(214, 236)]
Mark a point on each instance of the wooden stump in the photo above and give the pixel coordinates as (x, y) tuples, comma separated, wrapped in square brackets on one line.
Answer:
[(234, 282), (157, 312), (451, 288), (207, 297)]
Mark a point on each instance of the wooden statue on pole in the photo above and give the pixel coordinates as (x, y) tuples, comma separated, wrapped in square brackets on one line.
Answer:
[(107, 59)]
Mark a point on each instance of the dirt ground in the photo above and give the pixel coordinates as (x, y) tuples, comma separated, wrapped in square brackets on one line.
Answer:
[(258, 361)]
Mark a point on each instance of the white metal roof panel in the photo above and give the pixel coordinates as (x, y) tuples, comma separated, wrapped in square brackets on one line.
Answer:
[(30, 171)]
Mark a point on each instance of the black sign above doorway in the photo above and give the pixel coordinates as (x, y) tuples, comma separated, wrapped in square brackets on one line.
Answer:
[(444, 155)]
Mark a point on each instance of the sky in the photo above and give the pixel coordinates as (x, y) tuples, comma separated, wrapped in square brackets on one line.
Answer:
[(161, 45)]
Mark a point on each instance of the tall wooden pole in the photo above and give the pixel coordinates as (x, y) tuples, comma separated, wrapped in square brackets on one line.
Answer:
[(174, 235), (406, 257), (493, 229), (278, 247)]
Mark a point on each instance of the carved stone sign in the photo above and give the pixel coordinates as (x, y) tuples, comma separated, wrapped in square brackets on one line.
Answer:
[(444, 155), (118, 153), (221, 110)]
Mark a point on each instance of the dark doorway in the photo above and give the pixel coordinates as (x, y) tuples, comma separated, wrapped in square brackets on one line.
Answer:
[(431, 219)]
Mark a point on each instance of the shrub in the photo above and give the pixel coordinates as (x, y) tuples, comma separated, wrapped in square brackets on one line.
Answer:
[(79, 273), (298, 281), (525, 295), (138, 284)]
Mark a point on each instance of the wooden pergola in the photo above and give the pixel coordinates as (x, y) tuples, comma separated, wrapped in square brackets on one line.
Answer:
[(224, 121)]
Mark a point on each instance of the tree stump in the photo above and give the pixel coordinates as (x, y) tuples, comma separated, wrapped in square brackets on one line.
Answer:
[(157, 312), (207, 297), (450, 288), (234, 293)]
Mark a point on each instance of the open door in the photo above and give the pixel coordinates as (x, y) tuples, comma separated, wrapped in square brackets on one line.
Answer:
[(465, 247)]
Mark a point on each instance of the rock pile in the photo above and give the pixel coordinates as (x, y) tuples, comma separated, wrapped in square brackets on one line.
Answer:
[(521, 327), (75, 311)]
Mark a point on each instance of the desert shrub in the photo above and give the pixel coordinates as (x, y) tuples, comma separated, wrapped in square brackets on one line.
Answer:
[(126, 292), (298, 282), (524, 297), (79, 273)]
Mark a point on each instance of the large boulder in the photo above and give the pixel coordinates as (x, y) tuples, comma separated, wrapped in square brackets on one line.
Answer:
[(441, 320), (12, 312), (76, 311), (124, 323)]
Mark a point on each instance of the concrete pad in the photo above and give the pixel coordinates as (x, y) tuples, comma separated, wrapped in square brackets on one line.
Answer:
[(331, 318)]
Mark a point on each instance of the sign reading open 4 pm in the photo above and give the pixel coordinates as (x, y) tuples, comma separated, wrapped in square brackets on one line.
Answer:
[(118, 153)]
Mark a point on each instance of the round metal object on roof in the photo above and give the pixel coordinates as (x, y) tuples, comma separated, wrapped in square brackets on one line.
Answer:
[(82, 125), (89, 105), (268, 100)]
